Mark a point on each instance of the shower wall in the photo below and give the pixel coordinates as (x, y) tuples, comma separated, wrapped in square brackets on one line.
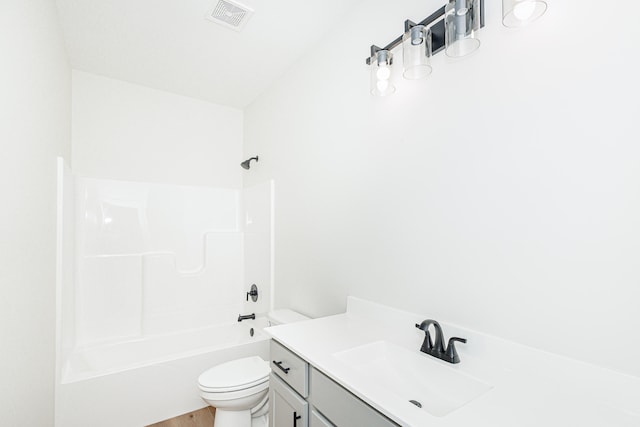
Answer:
[(157, 258), (154, 258)]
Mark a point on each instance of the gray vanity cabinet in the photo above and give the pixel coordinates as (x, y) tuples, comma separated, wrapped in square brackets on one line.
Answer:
[(302, 396), (288, 388), (317, 420), (287, 408), (340, 407)]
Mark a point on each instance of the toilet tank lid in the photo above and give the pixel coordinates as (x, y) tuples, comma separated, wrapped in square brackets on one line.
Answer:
[(286, 315)]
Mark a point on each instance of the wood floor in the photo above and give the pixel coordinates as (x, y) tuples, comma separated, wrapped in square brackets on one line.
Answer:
[(201, 418)]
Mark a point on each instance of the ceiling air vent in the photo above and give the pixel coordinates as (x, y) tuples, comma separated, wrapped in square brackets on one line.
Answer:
[(230, 14)]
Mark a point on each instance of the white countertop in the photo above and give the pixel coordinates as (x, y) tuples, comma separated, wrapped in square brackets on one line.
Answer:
[(530, 387)]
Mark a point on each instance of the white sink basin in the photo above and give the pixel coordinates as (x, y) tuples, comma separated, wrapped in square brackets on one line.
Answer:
[(440, 389)]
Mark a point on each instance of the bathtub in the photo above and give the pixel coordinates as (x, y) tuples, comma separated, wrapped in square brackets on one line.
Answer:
[(143, 381)]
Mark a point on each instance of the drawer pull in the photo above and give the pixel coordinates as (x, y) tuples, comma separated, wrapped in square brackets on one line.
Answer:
[(279, 365), (296, 417)]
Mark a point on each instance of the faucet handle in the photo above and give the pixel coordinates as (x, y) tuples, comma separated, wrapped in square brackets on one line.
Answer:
[(253, 293), (451, 352)]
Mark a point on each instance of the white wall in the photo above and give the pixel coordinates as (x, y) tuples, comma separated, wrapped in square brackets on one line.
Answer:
[(501, 194), (35, 128), (130, 132)]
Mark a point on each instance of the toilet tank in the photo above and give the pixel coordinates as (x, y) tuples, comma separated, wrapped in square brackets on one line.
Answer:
[(283, 316)]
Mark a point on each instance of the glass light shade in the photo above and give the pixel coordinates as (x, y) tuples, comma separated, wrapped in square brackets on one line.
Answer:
[(516, 13), (381, 63), (416, 53), (462, 20)]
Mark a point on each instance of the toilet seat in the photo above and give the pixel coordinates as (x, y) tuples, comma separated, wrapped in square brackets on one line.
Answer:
[(236, 394), (241, 387), (236, 375)]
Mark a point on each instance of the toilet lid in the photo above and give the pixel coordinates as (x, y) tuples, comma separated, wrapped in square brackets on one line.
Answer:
[(236, 374)]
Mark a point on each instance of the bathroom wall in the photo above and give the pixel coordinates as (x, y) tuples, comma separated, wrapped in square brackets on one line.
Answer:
[(133, 133), (501, 194), (35, 128)]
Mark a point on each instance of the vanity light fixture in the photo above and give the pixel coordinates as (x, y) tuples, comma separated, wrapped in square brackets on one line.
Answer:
[(453, 27), (518, 13)]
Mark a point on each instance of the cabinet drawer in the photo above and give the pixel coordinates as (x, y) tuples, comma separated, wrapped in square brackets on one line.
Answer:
[(340, 406), (286, 408), (317, 420), (292, 369)]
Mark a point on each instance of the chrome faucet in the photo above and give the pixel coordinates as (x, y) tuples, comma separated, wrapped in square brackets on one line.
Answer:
[(436, 348)]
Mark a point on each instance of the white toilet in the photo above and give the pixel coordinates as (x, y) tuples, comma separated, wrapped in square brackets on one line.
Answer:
[(239, 389)]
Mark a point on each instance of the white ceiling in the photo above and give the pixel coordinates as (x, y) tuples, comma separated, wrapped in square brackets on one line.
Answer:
[(170, 45)]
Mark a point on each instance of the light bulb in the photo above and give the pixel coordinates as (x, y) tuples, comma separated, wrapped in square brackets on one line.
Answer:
[(384, 72), (524, 10), (516, 13), (417, 35), (381, 61)]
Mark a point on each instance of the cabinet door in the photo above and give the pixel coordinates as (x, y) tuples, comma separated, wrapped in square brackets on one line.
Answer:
[(287, 409), (340, 406), (317, 420)]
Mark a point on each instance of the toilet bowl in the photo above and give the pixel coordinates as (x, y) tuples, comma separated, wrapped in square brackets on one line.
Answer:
[(239, 389), (236, 389)]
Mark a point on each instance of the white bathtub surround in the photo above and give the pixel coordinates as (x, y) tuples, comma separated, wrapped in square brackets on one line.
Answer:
[(65, 266), (155, 258), (106, 359), (114, 383), (159, 283), (522, 386), (258, 207)]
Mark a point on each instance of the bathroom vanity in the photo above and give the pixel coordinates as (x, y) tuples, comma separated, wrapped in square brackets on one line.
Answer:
[(365, 367), (302, 396)]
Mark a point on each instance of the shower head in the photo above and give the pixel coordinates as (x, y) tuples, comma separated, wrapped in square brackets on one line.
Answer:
[(247, 163)]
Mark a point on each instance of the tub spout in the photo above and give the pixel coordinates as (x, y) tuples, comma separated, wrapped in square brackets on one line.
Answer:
[(246, 317)]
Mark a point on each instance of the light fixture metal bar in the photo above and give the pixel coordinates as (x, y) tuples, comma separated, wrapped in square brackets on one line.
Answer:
[(437, 31)]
